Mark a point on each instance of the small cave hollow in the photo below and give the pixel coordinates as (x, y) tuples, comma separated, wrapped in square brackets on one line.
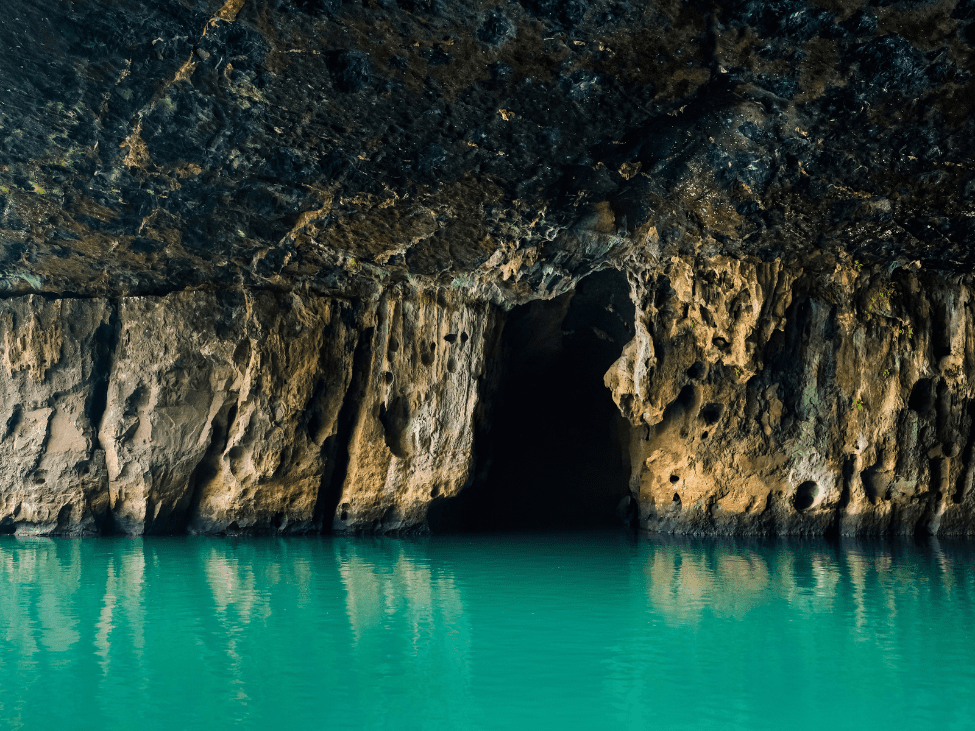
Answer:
[(923, 396), (711, 414), (805, 496), (554, 453)]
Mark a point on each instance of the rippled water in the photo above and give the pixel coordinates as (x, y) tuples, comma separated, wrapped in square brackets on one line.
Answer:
[(489, 632)]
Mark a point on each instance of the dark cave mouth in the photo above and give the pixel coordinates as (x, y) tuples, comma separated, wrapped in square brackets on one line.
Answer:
[(554, 456)]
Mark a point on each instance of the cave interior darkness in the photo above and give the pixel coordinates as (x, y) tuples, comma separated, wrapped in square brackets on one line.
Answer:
[(553, 452)]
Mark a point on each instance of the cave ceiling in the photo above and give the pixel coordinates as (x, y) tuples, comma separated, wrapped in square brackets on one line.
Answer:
[(505, 147)]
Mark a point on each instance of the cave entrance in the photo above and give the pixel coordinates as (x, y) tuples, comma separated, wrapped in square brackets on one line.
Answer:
[(554, 455)]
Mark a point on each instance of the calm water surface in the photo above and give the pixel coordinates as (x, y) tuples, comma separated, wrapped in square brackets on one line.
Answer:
[(490, 632)]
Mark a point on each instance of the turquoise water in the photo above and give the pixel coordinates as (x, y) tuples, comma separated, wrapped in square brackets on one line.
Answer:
[(502, 632)]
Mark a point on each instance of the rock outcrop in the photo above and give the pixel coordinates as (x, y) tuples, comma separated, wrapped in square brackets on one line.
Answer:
[(287, 266), (246, 412), (776, 400)]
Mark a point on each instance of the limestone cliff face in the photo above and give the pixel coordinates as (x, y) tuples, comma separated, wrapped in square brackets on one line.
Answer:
[(761, 398), (267, 266), (418, 391), (219, 409), (236, 412), (53, 359), (775, 400)]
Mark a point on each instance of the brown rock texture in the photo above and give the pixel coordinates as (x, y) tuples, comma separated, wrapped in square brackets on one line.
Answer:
[(52, 471), (762, 398), (766, 399), (220, 407), (288, 266), (236, 412), (413, 438)]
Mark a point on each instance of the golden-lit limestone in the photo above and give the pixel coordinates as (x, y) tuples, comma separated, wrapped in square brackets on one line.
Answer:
[(762, 398), (771, 399), (51, 471), (413, 439), (236, 411), (219, 408)]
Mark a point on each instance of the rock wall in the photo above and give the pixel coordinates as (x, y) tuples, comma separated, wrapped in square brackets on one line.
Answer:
[(763, 399), (766, 399), (52, 474), (235, 412), (255, 257), (420, 383)]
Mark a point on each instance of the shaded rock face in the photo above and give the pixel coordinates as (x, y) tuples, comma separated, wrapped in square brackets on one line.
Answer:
[(509, 147), (297, 265)]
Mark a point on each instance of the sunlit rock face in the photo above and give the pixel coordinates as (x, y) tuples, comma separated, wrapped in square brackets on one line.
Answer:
[(53, 361), (258, 258), (237, 412), (777, 400)]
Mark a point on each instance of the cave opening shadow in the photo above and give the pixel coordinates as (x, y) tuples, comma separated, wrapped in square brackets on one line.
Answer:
[(554, 455)]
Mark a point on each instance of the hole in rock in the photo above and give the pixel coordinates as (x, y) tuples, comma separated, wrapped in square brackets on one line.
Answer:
[(711, 414), (940, 332), (697, 371), (674, 479), (685, 399), (552, 448), (707, 317), (805, 496), (676, 501), (923, 396)]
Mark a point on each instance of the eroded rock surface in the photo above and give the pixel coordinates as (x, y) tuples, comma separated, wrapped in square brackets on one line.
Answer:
[(769, 399), (53, 361), (419, 388), (257, 258), (236, 411)]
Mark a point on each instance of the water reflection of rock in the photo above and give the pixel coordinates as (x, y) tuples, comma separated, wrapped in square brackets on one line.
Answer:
[(406, 606), (729, 578), (682, 578), (406, 624)]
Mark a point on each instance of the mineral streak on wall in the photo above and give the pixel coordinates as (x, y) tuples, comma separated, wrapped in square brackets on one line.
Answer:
[(258, 258)]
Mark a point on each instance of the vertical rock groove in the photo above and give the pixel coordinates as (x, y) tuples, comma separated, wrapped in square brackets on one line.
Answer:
[(336, 447)]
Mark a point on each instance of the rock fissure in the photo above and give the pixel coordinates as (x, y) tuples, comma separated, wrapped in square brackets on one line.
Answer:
[(337, 446)]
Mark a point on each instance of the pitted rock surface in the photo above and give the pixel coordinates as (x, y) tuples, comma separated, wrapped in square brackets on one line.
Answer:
[(216, 218)]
